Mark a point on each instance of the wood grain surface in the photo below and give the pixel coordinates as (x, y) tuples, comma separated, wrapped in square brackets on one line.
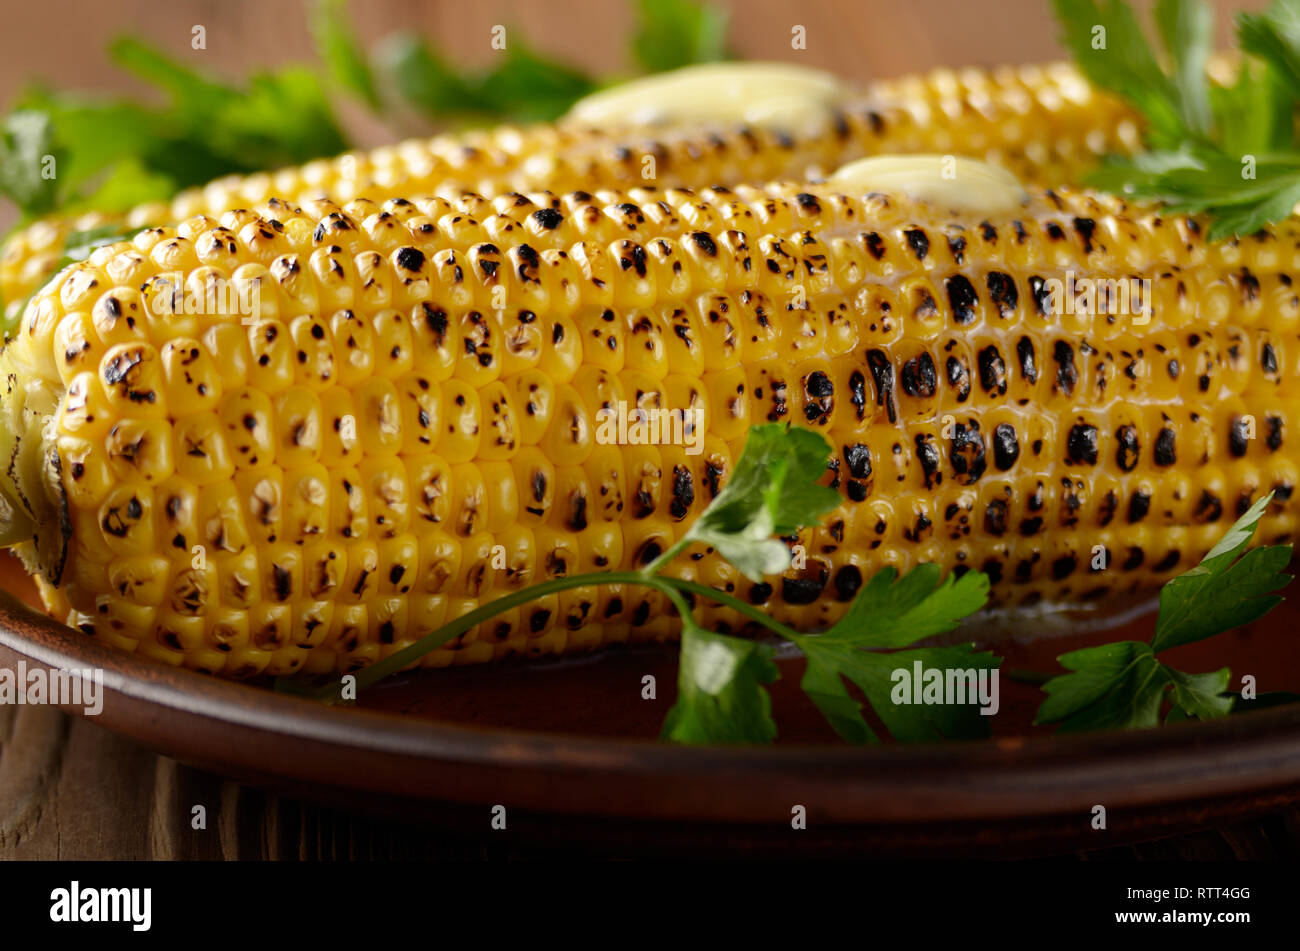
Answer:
[(62, 41), (71, 790)]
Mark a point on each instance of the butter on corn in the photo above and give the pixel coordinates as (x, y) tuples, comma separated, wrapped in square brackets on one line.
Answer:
[(795, 98), (949, 182)]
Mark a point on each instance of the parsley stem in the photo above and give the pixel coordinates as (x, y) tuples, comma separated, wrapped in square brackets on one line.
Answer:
[(408, 655), (683, 608), (673, 551), (670, 586), (740, 607)]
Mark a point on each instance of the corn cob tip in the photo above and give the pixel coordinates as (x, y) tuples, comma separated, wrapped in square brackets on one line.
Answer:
[(34, 515), (15, 525)]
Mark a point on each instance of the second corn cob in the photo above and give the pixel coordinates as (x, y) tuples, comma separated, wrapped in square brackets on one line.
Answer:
[(1046, 124)]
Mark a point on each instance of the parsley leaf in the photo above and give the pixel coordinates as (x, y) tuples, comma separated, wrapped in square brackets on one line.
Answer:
[(1227, 589), (1185, 29), (1110, 686), (114, 154), (887, 681), (675, 33), (280, 118), (90, 137), (1201, 695), (1124, 685), (424, 78), (823, 683), (1274, 36), (773, 490), (528, 85), (890, 614), (1229, 151), (720, 695), (1253, 114), (1109, 46), (128, 183), (337, 47), (523, 84), (26, 139)]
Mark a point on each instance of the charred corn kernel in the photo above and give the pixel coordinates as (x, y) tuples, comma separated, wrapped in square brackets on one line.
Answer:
[(204, 499), (1046, 124), (535, 477)]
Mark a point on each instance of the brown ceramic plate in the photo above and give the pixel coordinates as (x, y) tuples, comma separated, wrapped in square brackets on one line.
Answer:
[(569, 749)]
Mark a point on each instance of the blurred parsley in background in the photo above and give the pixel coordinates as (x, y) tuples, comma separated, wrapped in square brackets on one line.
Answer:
[(112, 154)]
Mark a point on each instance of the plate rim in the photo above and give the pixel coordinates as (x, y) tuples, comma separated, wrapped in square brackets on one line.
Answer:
[(232, 725)]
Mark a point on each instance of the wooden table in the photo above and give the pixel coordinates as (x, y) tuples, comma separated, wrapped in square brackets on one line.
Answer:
[(69, 789)]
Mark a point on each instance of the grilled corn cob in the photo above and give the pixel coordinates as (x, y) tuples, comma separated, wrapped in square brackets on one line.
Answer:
[(408, 427), (1046, 124)]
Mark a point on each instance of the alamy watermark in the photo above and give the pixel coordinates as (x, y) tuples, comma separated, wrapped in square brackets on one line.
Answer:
[(76, 903), (1090, 297), (60, 687), (620, 426), (218, 296), (946, 686)]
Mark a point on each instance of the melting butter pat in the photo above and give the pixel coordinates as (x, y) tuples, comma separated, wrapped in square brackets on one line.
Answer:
[(945, 181), (760, 94)]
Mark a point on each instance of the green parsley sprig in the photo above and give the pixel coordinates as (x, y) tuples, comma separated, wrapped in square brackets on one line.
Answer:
[(1230, 151), (1124, 684), (774, 491)]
